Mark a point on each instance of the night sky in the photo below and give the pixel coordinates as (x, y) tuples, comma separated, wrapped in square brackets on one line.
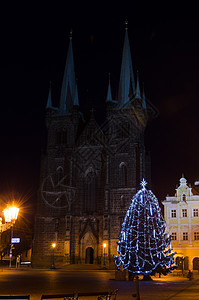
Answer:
[(34, 44)]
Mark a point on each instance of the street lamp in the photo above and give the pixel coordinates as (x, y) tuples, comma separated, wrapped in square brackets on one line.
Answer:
[(11, 214), (53, 256), (104, 265)]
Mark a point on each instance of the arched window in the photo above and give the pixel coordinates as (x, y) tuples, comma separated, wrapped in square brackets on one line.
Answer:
[(90, 178), (179, 262), (123, 174), (122, 201), (186, 263), (182, 262), (184, 197), (196, 263)]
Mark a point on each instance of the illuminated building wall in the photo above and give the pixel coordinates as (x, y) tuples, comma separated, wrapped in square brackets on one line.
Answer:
[(182, 217)]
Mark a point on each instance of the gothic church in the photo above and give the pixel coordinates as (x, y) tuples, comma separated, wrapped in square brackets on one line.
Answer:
[(90, 171)]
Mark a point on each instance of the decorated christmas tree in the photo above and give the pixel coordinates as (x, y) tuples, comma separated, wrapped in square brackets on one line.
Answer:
[(144, 246)]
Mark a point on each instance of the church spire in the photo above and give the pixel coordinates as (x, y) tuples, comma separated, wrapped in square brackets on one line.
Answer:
[(109, 94), (49, 102), (137, 92), (69, 95), (127, 84), (143, 99), (49, 105)]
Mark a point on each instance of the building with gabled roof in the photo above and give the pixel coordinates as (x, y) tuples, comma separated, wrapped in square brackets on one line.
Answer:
[(181, 213), (90, 171)]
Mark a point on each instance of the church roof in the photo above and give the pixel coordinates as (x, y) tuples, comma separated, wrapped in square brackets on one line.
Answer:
[(49, 101), (109, 94), (143, 100), (69, 94), (137, 92), (127, 83), (49, 105)]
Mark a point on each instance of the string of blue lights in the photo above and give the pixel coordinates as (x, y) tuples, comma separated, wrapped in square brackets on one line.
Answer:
[(144, 246)]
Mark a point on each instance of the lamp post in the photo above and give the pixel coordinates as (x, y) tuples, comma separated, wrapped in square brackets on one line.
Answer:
[(11, 214), (104, 265), (53, 256)]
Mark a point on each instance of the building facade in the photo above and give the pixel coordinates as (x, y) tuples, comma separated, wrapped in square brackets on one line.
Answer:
[(90, 172), (182, 217)]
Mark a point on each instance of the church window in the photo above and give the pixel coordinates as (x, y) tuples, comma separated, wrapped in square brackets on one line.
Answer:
[(173, 213), (105, 223), (123, 174), (196, 236), (122, 201), (174, 236), (185, 236), (184, 213), (195, 212), (67, 223), (90, 190)]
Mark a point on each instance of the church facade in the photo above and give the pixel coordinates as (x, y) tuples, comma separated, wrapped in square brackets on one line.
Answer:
[(90, 171)]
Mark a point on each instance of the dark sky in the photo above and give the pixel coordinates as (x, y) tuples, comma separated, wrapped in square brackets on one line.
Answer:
[(165, 51)]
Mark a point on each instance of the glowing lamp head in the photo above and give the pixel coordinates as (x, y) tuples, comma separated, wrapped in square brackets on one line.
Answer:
[(53, 245), (7, 215), (11, 214), (104, 245)]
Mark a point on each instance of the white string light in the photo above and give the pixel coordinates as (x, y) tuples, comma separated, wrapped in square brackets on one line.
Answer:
[(144, 246)]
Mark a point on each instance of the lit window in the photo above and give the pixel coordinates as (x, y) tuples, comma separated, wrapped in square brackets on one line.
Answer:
[(196, 236), (185, 236), (184, 213), (173, 213), (195, 212), (174, 236)]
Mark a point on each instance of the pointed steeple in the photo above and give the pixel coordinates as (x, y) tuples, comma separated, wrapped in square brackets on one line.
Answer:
[(137, 92), (143, 99), (127, 83), (69, 95), (49, 102), (109, 94), (49, 105)]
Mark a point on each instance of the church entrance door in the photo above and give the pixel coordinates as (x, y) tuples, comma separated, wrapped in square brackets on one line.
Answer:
[(89, 255)]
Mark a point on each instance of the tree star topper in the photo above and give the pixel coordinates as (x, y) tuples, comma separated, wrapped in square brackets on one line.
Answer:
[(143, 183)]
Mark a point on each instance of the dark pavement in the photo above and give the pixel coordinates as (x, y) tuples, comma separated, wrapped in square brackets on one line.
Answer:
[(37, 282)]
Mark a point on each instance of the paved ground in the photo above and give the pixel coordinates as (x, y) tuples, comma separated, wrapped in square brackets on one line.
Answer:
[(67, 280)]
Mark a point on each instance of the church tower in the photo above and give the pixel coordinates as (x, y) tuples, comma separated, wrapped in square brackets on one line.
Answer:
[(90, 171)]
